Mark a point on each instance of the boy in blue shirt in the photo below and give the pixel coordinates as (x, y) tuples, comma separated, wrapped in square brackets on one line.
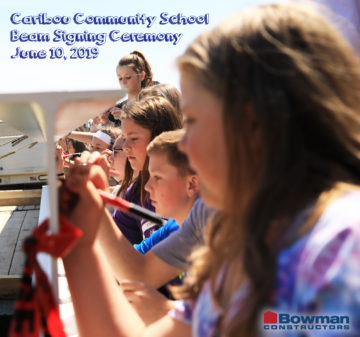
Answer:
[(173, 186)]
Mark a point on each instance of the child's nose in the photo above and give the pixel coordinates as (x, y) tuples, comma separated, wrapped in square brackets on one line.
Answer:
[(126, 147), (147, 186)]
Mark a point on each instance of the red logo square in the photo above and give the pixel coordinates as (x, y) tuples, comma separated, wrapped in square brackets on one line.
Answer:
[(270, 317)]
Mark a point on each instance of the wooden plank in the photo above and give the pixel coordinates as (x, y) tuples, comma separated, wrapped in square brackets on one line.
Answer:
[(29, 223), (13, 194), (20, 197), (8, 286), (20, 201), (8, 239)]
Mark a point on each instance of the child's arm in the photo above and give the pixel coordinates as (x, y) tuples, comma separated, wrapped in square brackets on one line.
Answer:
[(149, 303), (127, 263), (162, 233), (84, 137), (100, 307)]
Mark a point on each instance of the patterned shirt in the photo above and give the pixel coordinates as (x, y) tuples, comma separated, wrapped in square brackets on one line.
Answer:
[(318, 276)]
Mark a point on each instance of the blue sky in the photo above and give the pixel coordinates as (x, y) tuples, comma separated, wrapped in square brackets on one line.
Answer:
[(19, 75)]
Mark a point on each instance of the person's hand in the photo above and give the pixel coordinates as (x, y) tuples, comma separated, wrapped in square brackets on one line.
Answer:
[(147, 301), (62, 143), (79, 199), (106, 154), (105, 117), (59, 160), (116, 112), (96, 120), (96, 158)]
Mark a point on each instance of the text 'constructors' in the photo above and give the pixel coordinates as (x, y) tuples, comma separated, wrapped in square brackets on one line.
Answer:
[(81, 18)]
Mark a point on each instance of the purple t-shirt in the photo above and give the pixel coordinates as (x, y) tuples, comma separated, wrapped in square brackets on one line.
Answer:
[(135, 230)]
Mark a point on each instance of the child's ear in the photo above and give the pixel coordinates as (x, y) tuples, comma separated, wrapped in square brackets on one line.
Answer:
[(142, 75), (192, 185)]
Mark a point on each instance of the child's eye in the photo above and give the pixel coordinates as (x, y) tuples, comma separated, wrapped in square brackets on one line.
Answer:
[(157, 178), (134, 139)]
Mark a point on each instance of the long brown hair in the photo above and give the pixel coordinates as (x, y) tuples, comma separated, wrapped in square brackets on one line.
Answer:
[(137, 61), (157, 115), (167, 91), (286, 72)]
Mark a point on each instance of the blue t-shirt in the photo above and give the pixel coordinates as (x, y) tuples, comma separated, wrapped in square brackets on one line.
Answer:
[(157, 236)]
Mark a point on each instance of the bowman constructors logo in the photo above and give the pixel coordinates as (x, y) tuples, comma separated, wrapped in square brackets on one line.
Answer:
[(285, 321)]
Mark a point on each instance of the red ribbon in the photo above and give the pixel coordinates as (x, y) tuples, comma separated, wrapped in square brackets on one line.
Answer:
[(36, 309)]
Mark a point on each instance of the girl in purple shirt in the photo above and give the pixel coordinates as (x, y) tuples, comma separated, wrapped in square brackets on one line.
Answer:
[(141, 121)]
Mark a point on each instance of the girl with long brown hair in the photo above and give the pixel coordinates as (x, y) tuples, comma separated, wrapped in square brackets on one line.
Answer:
[(141, 121)]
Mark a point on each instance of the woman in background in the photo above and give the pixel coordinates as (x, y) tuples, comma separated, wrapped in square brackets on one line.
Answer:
[(134, 73)]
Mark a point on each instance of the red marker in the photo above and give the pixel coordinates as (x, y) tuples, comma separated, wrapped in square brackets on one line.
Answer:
[(71, 155), (131, 208)]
